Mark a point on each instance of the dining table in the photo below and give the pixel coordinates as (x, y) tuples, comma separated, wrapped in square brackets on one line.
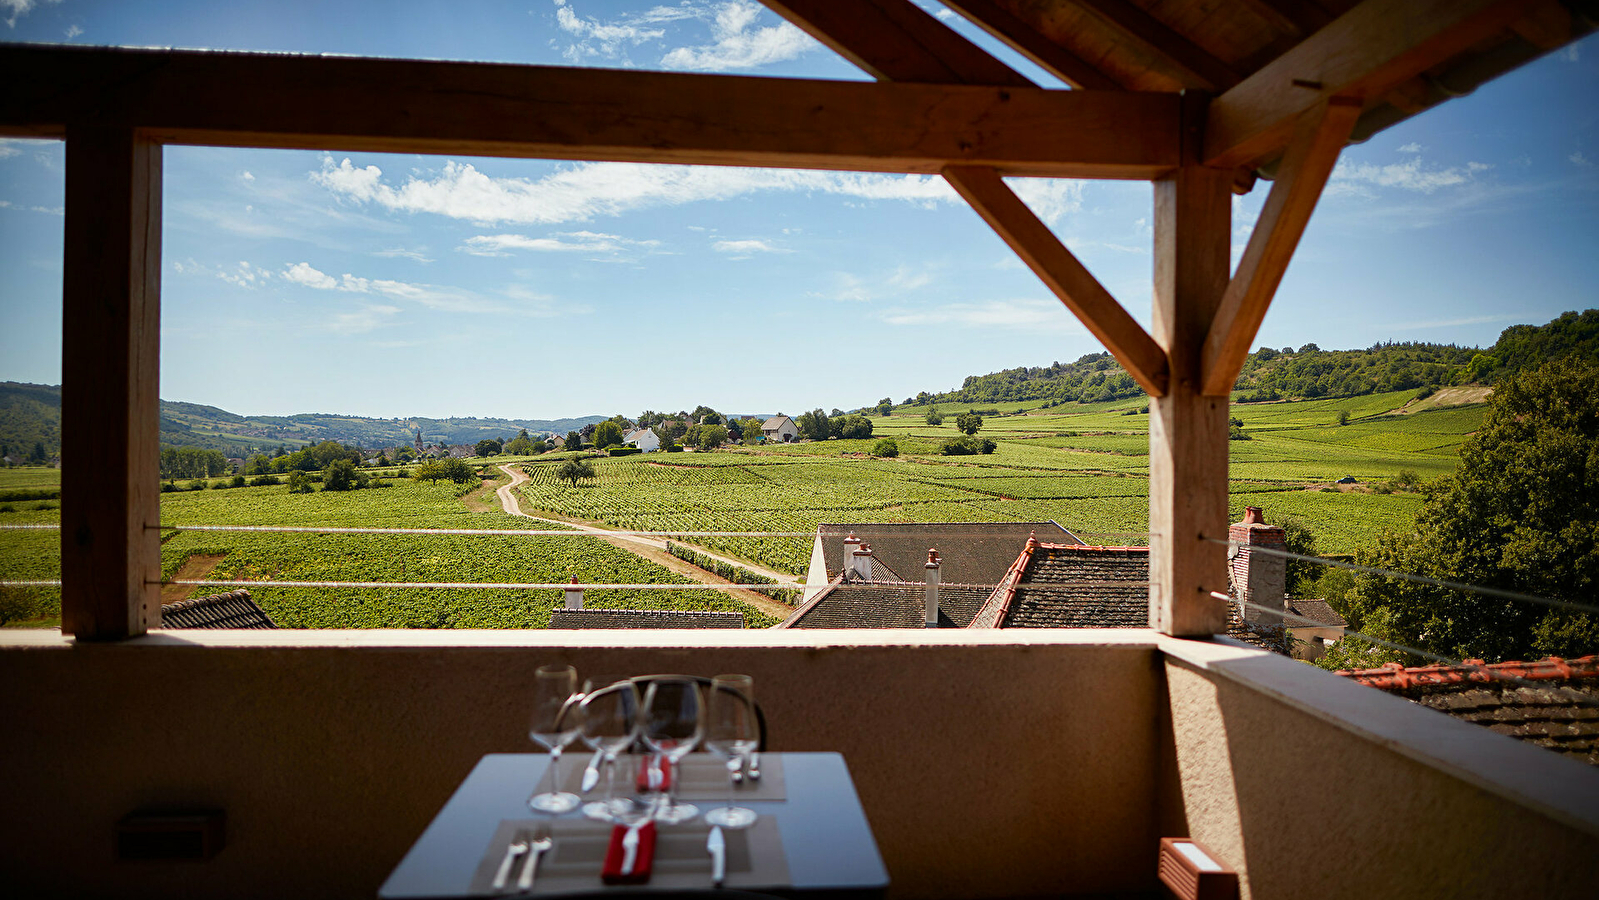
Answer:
[(811, 839)]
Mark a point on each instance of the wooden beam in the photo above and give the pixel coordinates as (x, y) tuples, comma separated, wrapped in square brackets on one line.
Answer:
[(1029, 42), (110, 362), (894, 40), (1172, 54), (1295, 17), (402, 106), (1308, 164), (1188, 430), (1063, 274), (1362, 54)]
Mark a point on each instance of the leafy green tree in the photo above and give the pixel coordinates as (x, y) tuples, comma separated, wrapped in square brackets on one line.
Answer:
[(521, 445), (37, 455), (735, 431), (751, 429), (1235, 430), (711, 437), (339, 475), (814, 425), (1343, 417), (537, 447), (969, 422), (574, 470), (853, 426), (299, 482), (1298, 538), (933, 417), (574, 441), (887, 447), (607, 434), (1521, 513), (258, 464), (458, 471), (430, 471), (487, 447), (885, 406)]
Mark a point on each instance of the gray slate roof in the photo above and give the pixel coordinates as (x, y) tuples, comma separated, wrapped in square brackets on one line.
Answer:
[(861, 605), (1317, 611), (234, 609), (643, 618), (1082, 587), (973, 552)]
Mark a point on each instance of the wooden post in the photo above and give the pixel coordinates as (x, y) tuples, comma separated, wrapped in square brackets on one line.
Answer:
[(1187, 430), (110, 363)]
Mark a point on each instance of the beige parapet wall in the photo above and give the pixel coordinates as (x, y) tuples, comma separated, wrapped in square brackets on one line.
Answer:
[(988, 766)]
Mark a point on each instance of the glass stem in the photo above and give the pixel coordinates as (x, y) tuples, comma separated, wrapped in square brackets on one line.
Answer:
[(555, 769), (734, 762)]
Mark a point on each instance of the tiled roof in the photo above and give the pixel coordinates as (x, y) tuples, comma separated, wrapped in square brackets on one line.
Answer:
[(1553, 703), (973, 552), (775, 423), (643, 618), (1317, 611), (857, 604), (1053, 585), (234, 609)]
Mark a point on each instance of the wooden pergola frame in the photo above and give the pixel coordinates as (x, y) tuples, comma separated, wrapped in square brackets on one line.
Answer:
[(941, 105)]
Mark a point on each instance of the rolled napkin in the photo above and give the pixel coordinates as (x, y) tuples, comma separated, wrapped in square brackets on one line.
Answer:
[(616, 855), (661, 771)]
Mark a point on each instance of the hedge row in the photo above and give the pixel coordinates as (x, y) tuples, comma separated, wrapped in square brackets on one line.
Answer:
[(735, 574)]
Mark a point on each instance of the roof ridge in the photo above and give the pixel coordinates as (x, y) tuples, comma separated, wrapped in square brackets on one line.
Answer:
[(1551, 668)]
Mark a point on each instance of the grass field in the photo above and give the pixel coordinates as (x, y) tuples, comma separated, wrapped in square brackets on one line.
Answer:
[(1084, 467)]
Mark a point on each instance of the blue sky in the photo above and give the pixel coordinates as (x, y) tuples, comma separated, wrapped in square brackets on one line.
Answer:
[(397, 285)]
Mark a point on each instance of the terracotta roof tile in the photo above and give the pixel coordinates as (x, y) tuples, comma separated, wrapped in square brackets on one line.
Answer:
[(1317, 611)]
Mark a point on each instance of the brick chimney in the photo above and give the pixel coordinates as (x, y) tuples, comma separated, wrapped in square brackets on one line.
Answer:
[(863, 562), (574, 596), (1259, 578), (933, 560)]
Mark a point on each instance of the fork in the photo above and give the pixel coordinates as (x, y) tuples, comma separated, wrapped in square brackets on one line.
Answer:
[(541, 845), (512, 852)]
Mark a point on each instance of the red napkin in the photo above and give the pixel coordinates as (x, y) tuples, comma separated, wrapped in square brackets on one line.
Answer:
[(644, 857), (644, 774)]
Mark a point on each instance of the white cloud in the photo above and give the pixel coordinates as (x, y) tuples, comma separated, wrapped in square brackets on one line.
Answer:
[(610, 40), (1578, 159), (303, 273), (1414, 174), (1028, 315), (945, 14), (1050, 199), (401, 252), (560, 242), (1412, 147), (20, 8), (1571, 52), (8, 146), (582, 191), (246, 176), (73, 32), (738, 43), (246, 276), (857, 289), (368, 318), (746, 248), (542, 306)]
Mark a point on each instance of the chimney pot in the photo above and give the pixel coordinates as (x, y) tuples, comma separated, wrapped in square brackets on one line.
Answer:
[(574, 596), (930, 606)]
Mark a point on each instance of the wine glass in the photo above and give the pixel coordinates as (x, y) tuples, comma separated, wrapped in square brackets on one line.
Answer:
[(609, 726), (731, 732), (673, 722), (554, 725)]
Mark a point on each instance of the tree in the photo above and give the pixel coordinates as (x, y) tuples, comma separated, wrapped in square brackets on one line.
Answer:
[(574, 470), (1521, 513), (853, 426), (1343, 417), (299, 482), (1235, 430), (712, 436), (933, 417), (887, 447), (521, 445), (607, 434), (458, 471), (813, 425), (1298, 538), (430, 471), (751, 429), (487, 447), (969, 422), (339, 475), (885, 406), (735, 431), (574, 441)]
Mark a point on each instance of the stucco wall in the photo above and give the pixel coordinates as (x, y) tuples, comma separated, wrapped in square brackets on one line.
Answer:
[(986, 769), (1409, 803)]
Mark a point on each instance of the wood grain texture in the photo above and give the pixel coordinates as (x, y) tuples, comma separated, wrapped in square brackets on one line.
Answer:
[(1309, 162), (1362, 54), (1060, 271), (110, 363), (1029, 42), (552, 112), (894, 40), (1188, 430), (1177, 57)]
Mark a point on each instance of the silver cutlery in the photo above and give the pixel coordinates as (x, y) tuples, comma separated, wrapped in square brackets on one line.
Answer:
[(630, 847), (755, 766), (512, 853), (591, 775), (541, 845), (716, 844)]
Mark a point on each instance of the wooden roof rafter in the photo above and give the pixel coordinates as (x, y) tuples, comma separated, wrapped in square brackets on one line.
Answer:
[(1022, 37), (1173, 54)]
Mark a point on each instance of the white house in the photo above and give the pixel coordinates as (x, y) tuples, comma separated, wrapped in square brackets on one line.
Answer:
[(780, 429), (644, 439)]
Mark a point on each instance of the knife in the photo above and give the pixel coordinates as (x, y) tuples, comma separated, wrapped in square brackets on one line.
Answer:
[(630, 847), (717, 845), (591, 775)]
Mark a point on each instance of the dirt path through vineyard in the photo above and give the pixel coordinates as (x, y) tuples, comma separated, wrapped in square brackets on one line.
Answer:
[(652, 550)]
